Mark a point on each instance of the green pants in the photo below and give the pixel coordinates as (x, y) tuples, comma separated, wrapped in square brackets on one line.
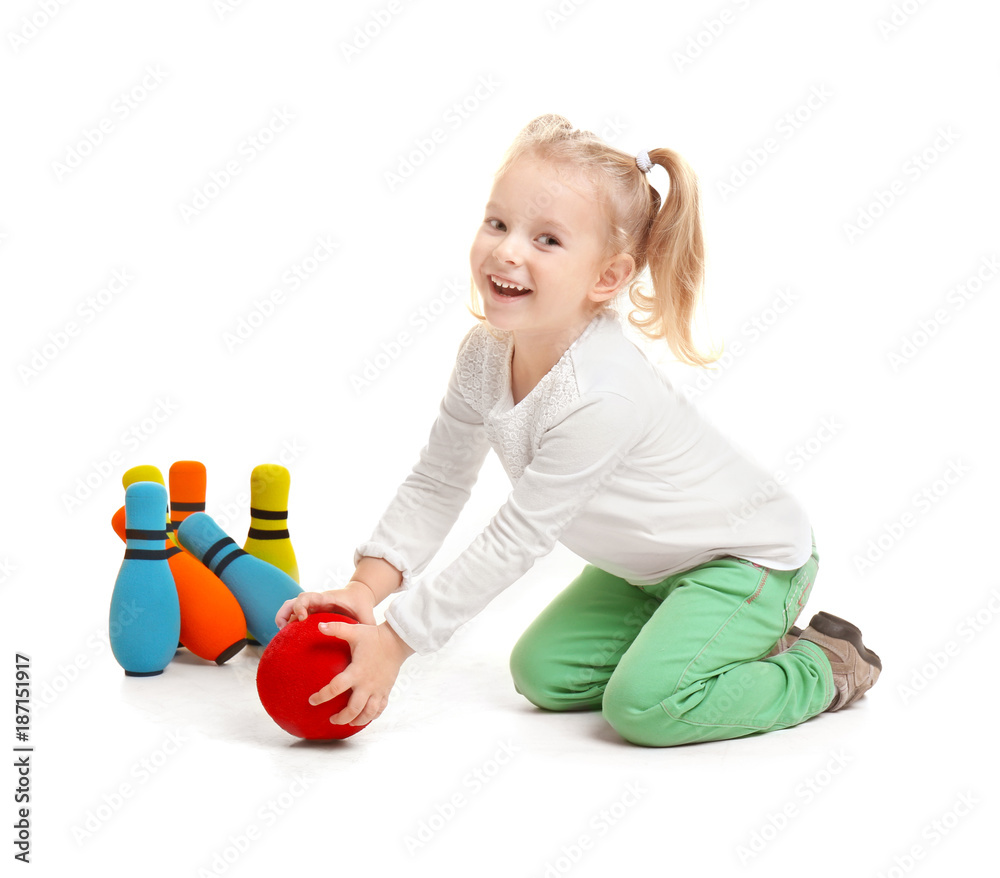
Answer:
[(681, 661)]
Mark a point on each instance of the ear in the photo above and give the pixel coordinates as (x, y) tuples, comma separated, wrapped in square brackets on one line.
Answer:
[(616, 272)]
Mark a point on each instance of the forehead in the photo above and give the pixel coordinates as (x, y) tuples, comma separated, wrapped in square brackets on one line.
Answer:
[(537, 188)]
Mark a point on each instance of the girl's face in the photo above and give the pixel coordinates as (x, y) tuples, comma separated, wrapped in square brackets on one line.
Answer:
[(543, 231)]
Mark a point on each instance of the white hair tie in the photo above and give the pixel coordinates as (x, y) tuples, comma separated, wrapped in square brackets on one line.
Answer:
[(643, 162)]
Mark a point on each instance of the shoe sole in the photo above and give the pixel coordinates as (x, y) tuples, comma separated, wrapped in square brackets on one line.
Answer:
[(834, 626)]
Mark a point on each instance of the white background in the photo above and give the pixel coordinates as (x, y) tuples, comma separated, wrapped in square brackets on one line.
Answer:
[(869, 389)]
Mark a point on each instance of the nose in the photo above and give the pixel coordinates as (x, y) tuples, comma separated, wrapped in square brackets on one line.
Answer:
[(507, 250)]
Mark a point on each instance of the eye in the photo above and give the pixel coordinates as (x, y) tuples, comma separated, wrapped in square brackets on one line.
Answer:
[(490, 223), (547, 238)]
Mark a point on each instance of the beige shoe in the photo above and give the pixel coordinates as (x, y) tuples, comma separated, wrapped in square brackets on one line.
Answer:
[(855, 667), (785, 642)]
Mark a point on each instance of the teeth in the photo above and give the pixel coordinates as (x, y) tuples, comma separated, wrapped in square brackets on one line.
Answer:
[(505, 285)]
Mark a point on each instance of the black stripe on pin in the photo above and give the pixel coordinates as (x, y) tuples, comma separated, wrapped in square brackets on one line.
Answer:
[(268, 514), (227, 561), (150, 554), (214, 550), (132, 533), (188, 507), (257, 534)]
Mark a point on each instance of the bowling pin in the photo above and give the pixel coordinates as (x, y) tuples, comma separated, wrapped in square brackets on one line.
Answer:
[(148, 473), (145, 617), (260, 588), (212, 623), (268, 537), (188, 486), (187, 490)]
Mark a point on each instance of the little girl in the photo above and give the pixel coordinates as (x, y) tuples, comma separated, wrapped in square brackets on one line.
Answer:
[(680, 626)]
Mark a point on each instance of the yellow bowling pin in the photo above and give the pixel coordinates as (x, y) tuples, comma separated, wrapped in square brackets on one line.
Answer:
[(268, 537)]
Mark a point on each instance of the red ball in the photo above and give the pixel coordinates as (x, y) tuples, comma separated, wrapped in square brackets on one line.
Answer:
[(300, 660)]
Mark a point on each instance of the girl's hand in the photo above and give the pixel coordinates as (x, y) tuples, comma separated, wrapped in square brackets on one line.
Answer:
[(377, 653), (355, 599)]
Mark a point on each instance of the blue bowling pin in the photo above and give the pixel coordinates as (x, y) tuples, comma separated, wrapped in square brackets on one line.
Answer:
[(259, 587), (145, 621)]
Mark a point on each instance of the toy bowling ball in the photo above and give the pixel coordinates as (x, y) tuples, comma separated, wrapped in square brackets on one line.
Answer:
[(301, 660)]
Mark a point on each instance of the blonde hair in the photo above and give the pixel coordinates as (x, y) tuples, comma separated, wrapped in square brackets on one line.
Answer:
[(667, 240)]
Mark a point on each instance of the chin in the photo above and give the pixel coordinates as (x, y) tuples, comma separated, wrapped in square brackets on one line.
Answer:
[(498, 320)]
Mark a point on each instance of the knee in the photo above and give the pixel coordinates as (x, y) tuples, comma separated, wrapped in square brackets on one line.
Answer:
[(639, 721), (531, 672), (546, 680)]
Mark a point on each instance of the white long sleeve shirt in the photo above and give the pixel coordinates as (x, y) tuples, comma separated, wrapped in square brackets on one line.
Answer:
[(603, 456)]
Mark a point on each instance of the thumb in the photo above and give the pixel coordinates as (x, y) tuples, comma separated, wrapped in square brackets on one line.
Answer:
[(343, 630)]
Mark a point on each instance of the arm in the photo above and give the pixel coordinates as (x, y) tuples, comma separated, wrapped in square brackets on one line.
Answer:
[(381, 578), (418, 518), (577, 456), (428, 502)]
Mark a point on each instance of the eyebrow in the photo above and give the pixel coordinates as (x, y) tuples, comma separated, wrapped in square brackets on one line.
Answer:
[(545, 221)]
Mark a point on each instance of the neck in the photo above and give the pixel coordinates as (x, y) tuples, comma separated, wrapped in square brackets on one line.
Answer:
[(535, 353)]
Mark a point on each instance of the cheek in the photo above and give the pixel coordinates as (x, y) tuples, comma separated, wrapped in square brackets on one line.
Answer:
[(479, 251)]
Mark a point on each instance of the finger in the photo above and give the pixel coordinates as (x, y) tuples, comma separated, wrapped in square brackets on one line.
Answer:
[(342, 630), (361, 614), (356, 705), (346, 610), (373, 709), (284, 611), (331, 690), (302, 605)]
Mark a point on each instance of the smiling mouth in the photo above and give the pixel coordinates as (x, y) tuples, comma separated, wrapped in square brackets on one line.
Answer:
[(507, 292)]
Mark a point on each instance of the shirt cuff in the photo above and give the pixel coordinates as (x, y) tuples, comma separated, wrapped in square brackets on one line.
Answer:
[(420, 645), (381, 550)]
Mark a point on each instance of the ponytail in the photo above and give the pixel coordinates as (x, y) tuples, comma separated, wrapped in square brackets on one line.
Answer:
[(674, 250)]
